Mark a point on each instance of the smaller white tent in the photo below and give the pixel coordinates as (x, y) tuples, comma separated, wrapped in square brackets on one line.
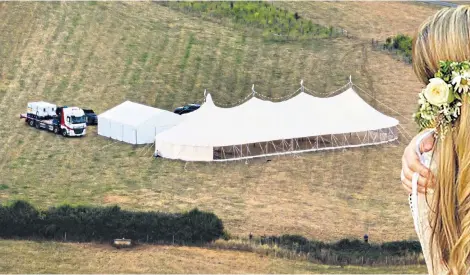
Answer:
[(135, 123)]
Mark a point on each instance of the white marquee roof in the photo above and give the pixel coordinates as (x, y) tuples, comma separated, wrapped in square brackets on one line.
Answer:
[(134, 114), (258, 120)]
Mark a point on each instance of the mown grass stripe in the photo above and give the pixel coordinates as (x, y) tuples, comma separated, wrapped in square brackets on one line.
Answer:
[(187, 68), (141, 57), (154, 75), (251, 64), (240, 53), (172, 74), (190, 86), (298, 74), (165, 97), (208, 63), (69, 41), (187, 52), (216, 82), (7, 17)]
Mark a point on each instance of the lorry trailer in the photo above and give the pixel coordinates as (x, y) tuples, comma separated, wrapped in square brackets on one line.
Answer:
[(67, 121)]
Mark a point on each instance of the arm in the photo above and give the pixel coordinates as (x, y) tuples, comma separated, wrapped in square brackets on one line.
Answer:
[(411, 164)]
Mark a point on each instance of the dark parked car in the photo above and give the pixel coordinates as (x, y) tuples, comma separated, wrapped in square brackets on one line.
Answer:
[(91, 117), (186, 109)]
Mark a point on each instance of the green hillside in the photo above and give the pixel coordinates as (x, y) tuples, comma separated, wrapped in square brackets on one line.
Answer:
[(98, 54)]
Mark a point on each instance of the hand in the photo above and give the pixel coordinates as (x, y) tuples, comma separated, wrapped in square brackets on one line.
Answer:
[(411, 164)]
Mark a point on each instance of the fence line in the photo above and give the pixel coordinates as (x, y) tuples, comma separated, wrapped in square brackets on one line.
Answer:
[(323, 255)]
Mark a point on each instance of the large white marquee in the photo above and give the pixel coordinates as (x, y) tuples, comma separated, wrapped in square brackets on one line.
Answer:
[(259, 128)]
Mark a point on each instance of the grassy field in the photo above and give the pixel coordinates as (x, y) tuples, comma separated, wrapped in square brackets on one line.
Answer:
[(366, 20), (99, 54), (51, 257)]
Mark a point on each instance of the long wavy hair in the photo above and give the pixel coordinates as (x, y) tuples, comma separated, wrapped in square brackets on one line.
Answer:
[(446, 36)]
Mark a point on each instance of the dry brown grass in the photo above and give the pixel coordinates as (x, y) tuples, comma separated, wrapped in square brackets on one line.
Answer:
[(100, 55), (368, 19), (50, 257)]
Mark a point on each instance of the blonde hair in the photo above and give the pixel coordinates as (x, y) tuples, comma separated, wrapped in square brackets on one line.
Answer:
[(446, 36)]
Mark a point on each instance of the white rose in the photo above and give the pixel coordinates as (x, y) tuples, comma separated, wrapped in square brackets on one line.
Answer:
[(438, 92), (466, 73)]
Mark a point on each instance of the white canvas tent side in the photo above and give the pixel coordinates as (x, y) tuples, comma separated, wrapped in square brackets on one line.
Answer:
[(161, 122), (183, 151), (135, 123)]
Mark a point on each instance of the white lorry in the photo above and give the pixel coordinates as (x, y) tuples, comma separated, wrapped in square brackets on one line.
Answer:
[(67, 121)]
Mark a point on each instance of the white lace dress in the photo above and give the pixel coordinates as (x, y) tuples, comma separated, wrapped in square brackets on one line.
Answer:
[(420, 212)]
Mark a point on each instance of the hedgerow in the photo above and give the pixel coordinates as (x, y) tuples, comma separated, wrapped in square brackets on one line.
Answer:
[(348, 251), (85, 223)]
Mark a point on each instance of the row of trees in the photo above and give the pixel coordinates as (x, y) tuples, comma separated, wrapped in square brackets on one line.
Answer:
[(84, 223), (275, 22)]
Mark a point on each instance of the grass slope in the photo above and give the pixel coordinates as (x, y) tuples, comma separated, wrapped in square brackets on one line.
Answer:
[(99, 54), (366, 19), (51, 257)]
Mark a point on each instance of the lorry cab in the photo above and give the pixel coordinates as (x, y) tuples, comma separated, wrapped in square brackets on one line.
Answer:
[(72, 121)]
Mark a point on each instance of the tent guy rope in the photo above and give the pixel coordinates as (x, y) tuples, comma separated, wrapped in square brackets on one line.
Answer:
[(312, 92)]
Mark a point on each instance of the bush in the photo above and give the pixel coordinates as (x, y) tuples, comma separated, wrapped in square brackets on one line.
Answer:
[(84, 223), (400, 43), (18, 219), (346, 244), (275, 23), (402, 247), (291, 239)]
